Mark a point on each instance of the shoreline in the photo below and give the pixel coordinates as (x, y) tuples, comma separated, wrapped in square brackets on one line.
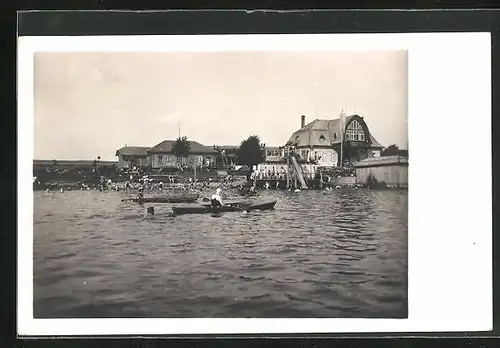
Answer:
[(186, 188)]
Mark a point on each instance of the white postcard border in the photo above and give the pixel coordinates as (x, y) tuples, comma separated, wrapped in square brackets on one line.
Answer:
[(450, 211)]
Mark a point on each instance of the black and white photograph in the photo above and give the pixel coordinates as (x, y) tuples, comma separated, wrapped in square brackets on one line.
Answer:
[(220, 184), (224, 183)]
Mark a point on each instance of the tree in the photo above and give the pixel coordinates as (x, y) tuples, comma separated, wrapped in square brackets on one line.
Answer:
[(391, 150), (181, 148), (250, 152)]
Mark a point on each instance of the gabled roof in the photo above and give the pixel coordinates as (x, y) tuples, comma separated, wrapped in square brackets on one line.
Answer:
[(324, 133), (166, 147), (133, 151)]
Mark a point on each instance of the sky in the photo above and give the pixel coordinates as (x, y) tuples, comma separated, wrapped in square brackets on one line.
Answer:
[(89, 104)]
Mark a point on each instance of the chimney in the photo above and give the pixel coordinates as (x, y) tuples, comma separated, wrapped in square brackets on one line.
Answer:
[(302, 121)]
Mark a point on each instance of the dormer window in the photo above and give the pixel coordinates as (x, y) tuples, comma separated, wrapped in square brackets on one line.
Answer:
[(355, 132)]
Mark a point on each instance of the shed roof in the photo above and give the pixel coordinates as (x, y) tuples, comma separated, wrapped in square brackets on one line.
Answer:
[(273, 147), (382, 160)]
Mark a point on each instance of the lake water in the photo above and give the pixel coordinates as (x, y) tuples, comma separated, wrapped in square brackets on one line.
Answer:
[(318, 254)]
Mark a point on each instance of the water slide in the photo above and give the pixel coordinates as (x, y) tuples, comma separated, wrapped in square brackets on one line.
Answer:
[(298, 170)]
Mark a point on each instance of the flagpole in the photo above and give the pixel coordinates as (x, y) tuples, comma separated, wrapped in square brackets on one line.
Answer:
[(341, 139)]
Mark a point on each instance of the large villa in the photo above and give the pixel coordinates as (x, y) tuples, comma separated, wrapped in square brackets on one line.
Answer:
[(318, 140)]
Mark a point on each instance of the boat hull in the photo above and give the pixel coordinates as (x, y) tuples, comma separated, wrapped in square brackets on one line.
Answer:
[(173, 199), (207, 209)]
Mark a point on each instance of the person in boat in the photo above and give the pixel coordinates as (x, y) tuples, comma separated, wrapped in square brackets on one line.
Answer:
[(216, 199)]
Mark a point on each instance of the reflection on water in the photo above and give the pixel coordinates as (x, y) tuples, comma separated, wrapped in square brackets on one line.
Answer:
[(318, 254)]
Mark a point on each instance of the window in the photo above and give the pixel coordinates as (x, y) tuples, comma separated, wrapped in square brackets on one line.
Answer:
[(322, 139), (334, 136), (355, 132)]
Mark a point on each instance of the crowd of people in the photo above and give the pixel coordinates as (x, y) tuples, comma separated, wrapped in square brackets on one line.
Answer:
[(346, 170), (104, 178), (273, 178), (280, 173), (271, 174)]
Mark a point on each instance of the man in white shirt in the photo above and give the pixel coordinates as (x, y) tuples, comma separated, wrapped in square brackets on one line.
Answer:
[(216, 199)]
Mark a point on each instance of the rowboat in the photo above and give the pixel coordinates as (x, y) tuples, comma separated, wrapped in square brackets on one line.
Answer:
[(165, 199), (206, 208)]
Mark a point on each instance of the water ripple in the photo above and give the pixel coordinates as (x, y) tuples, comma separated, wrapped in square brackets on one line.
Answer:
[(318, 254)]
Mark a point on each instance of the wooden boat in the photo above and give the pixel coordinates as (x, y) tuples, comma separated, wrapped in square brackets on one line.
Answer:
[(206, 208), (190, 198)]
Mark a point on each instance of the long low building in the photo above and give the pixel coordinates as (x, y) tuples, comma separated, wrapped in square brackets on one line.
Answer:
[(387, 170), (162, 156)]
